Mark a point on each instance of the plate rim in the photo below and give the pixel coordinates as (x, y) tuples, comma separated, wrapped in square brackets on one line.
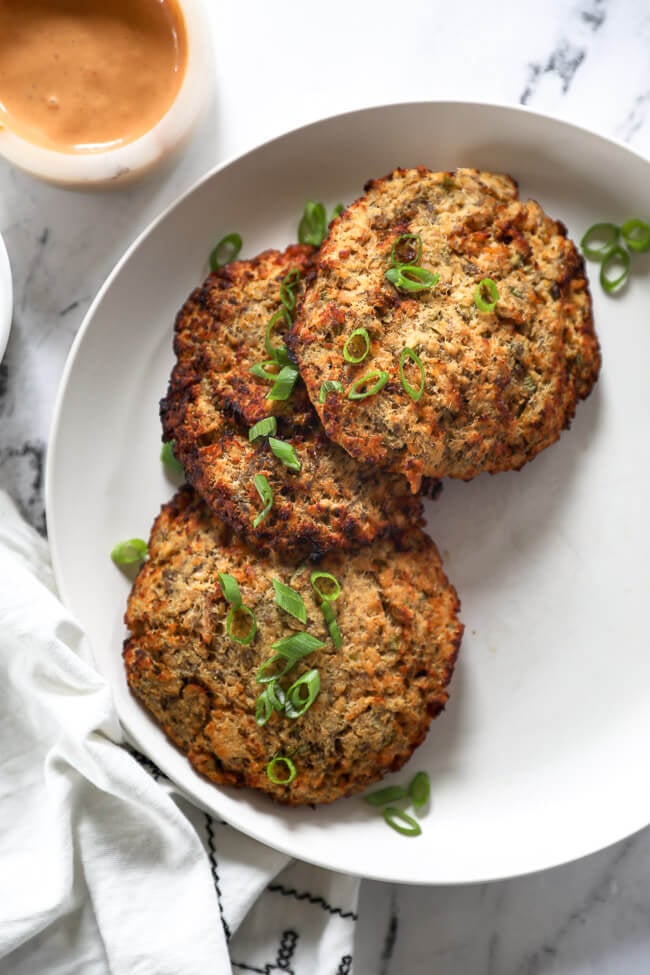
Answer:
[(6, 297), (178, 202)]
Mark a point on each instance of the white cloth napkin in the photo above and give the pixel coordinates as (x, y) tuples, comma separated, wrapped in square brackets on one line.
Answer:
[(104, 866)]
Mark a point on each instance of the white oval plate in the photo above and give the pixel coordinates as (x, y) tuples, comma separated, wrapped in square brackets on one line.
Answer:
[(6, 298), (542, 754)]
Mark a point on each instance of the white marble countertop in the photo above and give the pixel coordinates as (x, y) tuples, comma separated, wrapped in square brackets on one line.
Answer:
[(279, 66)]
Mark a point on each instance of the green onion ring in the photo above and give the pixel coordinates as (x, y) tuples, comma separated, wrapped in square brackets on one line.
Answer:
[(419, 789), (411, 278), (607, 233), (379, 375), (225, 251), (297, 645), (276, 695), (129, 552), (261, 370), (287, 285), (286, 453), (329, 386), (383, 796), (412, 391), (282, 315), (290, 601), (169, 458), (263, 488), (230, 624), (270, 770), (616, 256), (401, 822), (230, 589), (336, 212), (636, 234), (414, 255), (263, 428), (328, 597), (313, 224), (486, 284), (354, 340), (332, 625), (285, 380), (263, 678), (296, 704), (263, 708)]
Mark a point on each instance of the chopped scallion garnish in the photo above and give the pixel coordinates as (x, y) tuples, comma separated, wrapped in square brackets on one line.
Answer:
[(486, 287), (286, 453), (278, 777), (383, 796), (370, 384), (297, 645), (407, 250), (419, 789), (415, 392), (599, 240), (266, 370), (401, 822), (263, 488), (332, 625), (302, 694), (230, 589), (129, 552), (281, 319), (290, 601), (329, 386), (313, 224), (287, 290), (263, 708), (170, 460), (263, 428), (241, 624), (411, 278), (266, 673), (225, 251), (326, 586), (616, 259), (357, 346), (285, 380), (337, 211), (636, 234), (276, 695)]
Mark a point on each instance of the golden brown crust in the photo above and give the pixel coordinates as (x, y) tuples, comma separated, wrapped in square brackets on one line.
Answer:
[(500, 386), (333, 501), (398, 619)]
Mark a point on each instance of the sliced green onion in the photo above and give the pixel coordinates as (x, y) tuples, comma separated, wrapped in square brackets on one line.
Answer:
[(332, 590), (169, 459), (337, 211), (404, 253), (286, 453), (296, 646), (419, 789), (266, 673), (297, 701), (616, 257), (230, 589), (129, 552), (636, 234), (225, 251), (287, 285), (401, 822), (290, 601), (263, 428), (377, 378), (276, 695), (332, 625), (329, 386), (263, 708), (357, 346), (411, 278), (415, 392), (285, 380), (383, 796), (599, 240), (263, 488), (263, 370), (313, 224), (489, 286), (279, 761), (234, 621), (279, 318)]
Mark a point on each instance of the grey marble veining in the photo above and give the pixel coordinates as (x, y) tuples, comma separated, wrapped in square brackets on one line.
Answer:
[(279, 66)]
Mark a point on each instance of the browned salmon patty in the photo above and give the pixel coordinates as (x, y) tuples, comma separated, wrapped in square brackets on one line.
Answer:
[(213, 400), (496, 385), (398, 619)]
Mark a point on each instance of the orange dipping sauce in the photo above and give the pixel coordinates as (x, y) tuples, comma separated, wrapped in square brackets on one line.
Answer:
[(88, 75)]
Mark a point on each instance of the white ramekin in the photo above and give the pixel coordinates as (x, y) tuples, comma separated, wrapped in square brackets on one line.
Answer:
[(118, 165)]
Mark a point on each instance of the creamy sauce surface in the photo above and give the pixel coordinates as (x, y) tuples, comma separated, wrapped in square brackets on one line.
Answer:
[(88, 75)]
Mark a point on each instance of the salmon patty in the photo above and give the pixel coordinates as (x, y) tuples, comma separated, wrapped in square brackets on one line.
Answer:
[(478, 371), (380, 688), (321, 497)]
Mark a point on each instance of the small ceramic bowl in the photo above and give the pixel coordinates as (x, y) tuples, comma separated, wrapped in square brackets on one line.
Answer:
[(121, 164), (6, 298)]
